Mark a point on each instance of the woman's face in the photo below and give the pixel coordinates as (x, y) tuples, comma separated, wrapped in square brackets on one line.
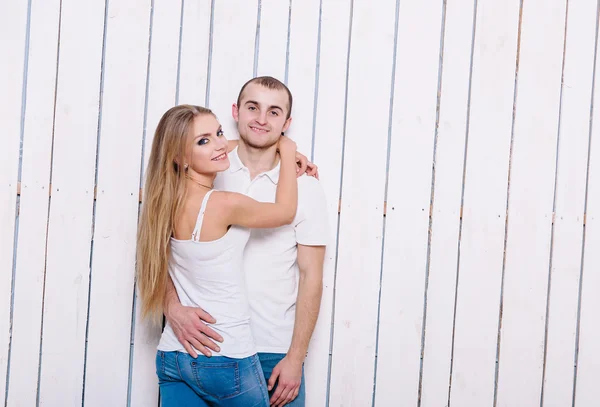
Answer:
[(208, 153)]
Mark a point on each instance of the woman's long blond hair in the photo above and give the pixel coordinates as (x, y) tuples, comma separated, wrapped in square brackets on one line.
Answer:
[(164, 196)]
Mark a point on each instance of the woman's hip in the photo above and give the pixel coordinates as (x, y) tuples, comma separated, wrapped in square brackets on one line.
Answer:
[(219, 380)]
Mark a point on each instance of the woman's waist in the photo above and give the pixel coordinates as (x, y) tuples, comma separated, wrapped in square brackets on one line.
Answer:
[(238, 341)]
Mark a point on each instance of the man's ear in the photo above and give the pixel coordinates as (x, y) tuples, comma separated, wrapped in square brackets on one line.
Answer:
[(287, 124), (235, 112)]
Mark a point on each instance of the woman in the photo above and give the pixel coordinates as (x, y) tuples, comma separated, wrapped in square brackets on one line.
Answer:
[(198, 235)]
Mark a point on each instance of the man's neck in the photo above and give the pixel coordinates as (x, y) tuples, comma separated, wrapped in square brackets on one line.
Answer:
[(257, 160)]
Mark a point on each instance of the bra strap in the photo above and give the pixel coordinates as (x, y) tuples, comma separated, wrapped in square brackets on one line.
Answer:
[(198, 227)]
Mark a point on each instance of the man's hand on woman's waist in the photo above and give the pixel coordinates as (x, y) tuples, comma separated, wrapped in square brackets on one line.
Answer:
[(189, 325)]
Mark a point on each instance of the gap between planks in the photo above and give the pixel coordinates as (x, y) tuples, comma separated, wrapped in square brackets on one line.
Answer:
[(339, 203)]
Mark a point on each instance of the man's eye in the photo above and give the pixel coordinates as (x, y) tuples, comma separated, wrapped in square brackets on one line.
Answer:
[(251, 108), (202, 141), (274, 113)]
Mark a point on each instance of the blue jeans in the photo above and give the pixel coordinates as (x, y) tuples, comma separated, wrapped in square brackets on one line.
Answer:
[(214, 381), (268, 362)]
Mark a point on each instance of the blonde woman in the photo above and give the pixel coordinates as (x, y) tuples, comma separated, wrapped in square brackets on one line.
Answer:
[(197, 235)]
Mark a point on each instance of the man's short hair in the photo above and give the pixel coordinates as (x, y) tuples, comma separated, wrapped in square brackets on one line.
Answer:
[(270, 83)]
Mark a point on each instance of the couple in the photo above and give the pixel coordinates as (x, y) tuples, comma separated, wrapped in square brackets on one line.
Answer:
[(234, 261)]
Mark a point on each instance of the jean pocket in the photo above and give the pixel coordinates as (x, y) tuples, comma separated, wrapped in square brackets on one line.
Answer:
[(220, 380)]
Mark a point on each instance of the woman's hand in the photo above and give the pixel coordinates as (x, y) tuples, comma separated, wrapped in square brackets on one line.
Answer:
[(305, 166)]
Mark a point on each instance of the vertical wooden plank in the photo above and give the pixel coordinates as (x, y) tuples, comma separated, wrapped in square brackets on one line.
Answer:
[(569, 202), (530, 203), (117, 201), (408, 202), (273, 38), (162, 86), (70, 218), (359, 261), (329, 130), (31, 247), (13, 30), (304, 32), (587, 390), (232, 58), (195, 41), (484, 203), (449, 166)]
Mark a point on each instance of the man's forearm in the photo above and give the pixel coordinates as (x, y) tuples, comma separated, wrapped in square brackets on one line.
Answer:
[(310, 289), (171, 297)]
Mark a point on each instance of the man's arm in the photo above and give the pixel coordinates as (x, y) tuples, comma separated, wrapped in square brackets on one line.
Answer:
[(189, 324), (308, 303)]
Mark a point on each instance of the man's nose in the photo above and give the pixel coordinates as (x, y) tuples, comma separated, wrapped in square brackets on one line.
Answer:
[(262, 118)]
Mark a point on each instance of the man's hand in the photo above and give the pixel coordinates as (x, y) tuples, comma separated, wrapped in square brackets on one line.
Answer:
[(305, 166), (189, 325), (288, 375)]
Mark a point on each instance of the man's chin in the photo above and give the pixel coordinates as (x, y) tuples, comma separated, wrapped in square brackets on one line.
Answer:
[(260, 145)]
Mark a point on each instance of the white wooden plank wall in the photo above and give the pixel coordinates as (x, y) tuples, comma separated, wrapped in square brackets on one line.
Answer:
[(446, 208), (485, 181), (33, 225), (569, 202), (370, 70), (530, 203), (71, 216), (14, 32), (117, 201), (459, 150), (413, 131)]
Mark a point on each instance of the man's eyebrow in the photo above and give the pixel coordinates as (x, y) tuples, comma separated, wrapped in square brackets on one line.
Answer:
[(270, 107)]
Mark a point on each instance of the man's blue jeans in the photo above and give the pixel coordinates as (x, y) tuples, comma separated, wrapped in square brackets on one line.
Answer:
[(214, 381), (268, 362)]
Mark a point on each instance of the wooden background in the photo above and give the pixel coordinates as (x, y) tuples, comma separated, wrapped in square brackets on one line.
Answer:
[(458, 144)]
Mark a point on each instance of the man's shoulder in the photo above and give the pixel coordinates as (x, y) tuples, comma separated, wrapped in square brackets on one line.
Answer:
[(310, 193), (309, 185)]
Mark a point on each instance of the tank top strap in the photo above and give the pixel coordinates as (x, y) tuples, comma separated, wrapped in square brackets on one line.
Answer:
[(198, 227)]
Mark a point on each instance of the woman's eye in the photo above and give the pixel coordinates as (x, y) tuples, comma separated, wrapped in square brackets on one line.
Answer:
[(220, 133), (202, 141)]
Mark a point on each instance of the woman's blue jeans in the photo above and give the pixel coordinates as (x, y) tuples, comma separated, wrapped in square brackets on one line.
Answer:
[(214, 381)]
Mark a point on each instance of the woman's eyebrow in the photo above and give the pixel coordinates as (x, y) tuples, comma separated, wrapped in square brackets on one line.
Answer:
[(208, 134)]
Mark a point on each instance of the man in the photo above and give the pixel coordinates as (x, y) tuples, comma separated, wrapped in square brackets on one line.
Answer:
[(283, 266)]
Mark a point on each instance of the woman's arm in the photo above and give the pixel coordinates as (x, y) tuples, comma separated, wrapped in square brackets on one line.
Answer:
[(244, 211), (304, 166)]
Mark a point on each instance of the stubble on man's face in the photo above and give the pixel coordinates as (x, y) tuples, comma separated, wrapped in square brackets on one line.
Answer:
[(262, 116)]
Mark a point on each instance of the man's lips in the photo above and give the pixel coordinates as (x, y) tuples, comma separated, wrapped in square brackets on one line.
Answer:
[(258, 129)]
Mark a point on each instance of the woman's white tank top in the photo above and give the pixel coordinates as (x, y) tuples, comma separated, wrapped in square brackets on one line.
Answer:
[(209, 275)]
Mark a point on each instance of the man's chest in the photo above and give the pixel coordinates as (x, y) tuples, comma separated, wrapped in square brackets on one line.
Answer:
[(260, 188)]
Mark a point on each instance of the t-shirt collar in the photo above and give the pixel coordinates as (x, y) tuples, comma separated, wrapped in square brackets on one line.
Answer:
[(235, 164)]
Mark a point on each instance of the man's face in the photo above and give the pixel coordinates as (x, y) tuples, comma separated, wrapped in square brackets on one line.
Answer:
[(261, 116)]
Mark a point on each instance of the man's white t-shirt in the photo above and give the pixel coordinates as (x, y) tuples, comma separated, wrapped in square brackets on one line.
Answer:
[(270, 266)]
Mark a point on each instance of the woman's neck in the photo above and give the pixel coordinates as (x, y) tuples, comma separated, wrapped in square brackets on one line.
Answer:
[(201, 180)]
